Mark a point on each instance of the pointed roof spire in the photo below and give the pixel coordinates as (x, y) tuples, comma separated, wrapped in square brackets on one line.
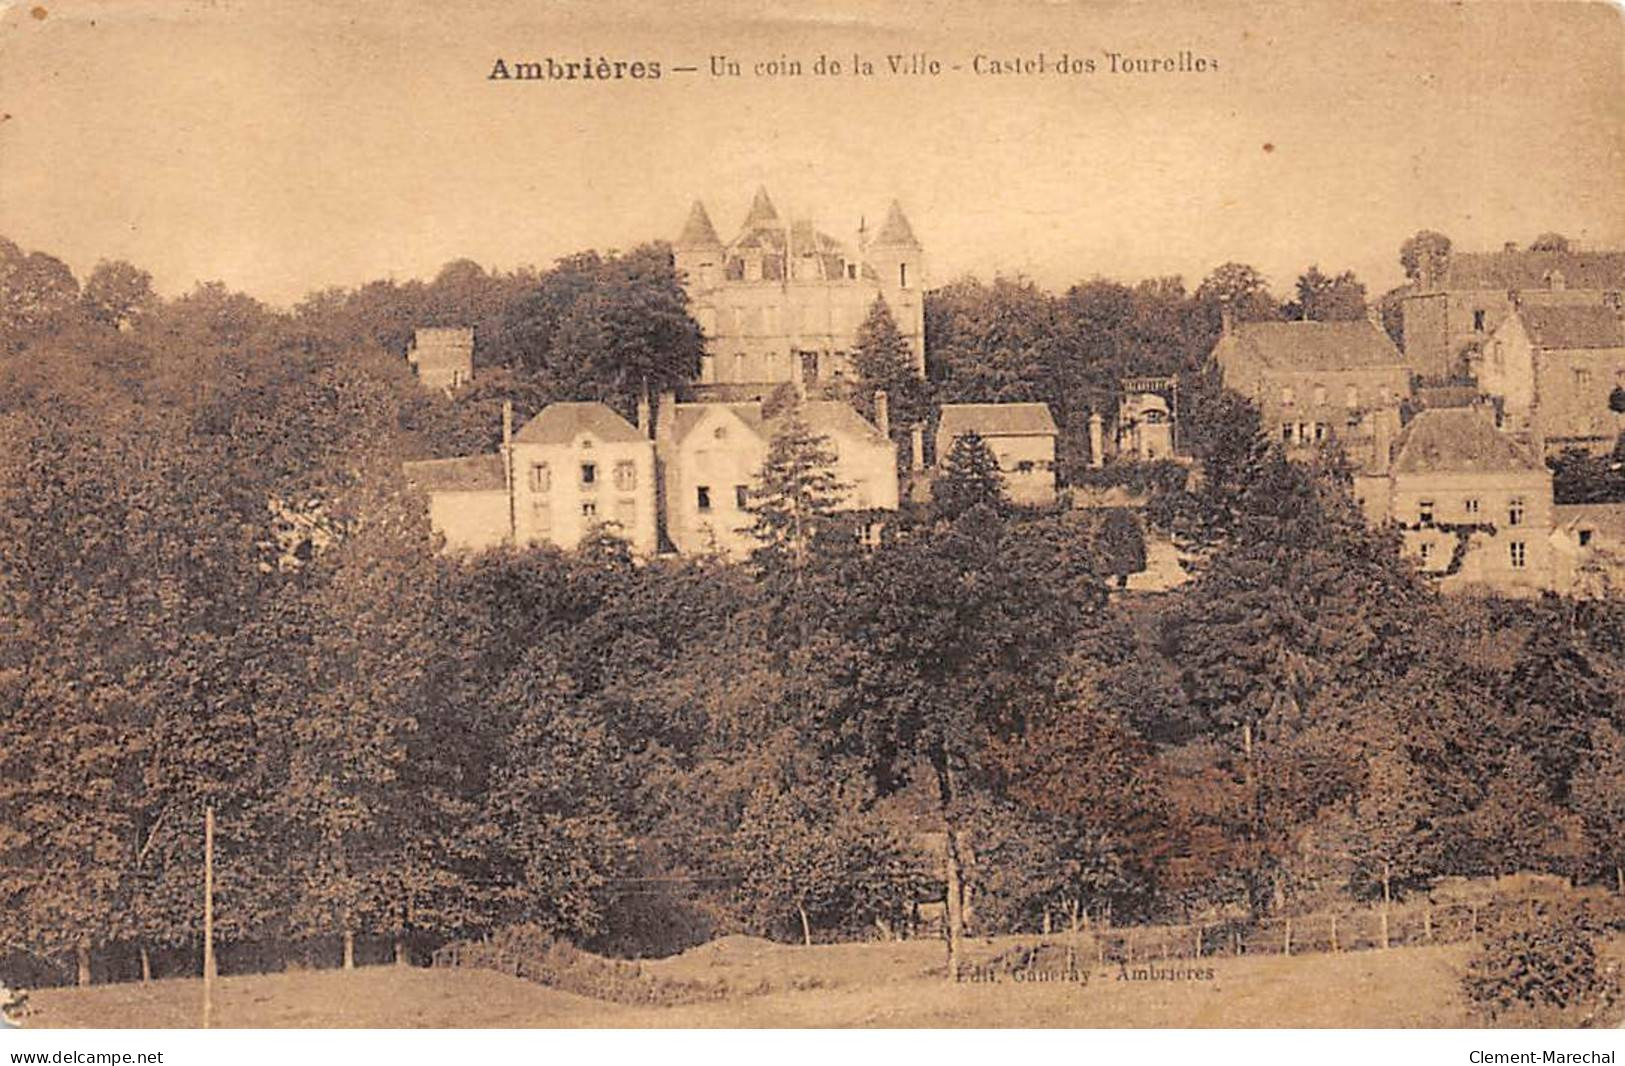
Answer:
[(896, 232), (698, 231), (762, 212)]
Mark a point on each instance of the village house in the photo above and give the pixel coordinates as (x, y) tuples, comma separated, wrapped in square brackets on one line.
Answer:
[(1474, 507), (1316, 382), (578, 467), (1021, 437), (573, 469), (1454, 310), (1588, 549), (443, 359), (711, 454), (1550, 371), (468, 497), (782, 302)]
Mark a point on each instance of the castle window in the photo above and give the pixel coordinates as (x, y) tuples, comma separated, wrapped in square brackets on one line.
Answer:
[(1518, 554), (902, 275), (1515, 511), (1286, 432), (1582, 377), (741, 496), (589, 473), (1478, 321), (852, 272), (1320, 432), (541, 478), (1585, 538), (589, 510), (1424, 512), (702, 494), (735, 270), (1470, 505), (626, 475), (1425, 550)]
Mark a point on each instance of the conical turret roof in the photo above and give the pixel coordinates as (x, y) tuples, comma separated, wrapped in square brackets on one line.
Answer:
[(762, 212), (896, 232), (698, 231)]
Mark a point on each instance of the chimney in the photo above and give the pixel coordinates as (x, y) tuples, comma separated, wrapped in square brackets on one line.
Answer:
[(1097, 441), (1227, 318), (882, 413), (645, 428), (507, 471), (916, 447), (1382, 439), (1509, 247)]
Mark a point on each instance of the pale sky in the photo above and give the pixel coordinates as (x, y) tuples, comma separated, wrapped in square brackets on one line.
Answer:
[(282, 147)]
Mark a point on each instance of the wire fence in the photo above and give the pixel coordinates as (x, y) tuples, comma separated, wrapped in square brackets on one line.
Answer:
[(1351, 929)]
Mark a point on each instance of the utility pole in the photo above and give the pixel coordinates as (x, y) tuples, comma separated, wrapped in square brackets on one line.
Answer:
[(208, 916)]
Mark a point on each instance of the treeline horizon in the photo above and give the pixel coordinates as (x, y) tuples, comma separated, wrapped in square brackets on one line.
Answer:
[(215, 591)]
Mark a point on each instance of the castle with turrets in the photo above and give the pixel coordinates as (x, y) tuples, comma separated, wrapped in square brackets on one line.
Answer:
[(782, 301)]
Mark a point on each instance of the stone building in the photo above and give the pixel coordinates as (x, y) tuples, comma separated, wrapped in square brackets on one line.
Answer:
[(1315, 382), (468, 499), (1474, 507), (578, 467), (442, 358), (574, 468), (1588, 549), (1021, 437), (1550, 371), (711, 453), (782, 301), (1454, 310)]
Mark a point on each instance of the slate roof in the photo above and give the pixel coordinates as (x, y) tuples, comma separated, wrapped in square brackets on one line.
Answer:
[(1533, 270), (1606, 518), (762, 212), (470, 473), (1457, 440), (698, 231), (562, 423), (996, 420), (895, 232), (828, 417), (1572, 327), (1317, 345)]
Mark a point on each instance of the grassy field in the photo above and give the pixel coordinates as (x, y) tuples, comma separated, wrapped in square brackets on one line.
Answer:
[(883, 984)]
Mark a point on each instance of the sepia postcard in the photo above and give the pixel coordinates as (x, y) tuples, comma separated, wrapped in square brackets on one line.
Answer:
[(813, 515)]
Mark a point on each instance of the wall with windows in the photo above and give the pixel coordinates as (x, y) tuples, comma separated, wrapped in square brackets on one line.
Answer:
[(563, 491), (711, 470), (1506, 518), (1304, 408)]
